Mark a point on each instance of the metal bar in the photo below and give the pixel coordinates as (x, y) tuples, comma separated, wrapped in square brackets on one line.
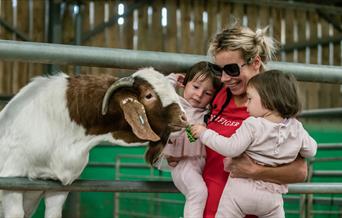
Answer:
[(11, 29), (124, 165), (315, 200), (322, 188), (322, 113), (131, 59), (12, 183), (329, 146), (325, 159), (327, 173)]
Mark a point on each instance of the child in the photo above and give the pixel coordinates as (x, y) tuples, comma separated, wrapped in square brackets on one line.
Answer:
[(185, 158), (271, 137)]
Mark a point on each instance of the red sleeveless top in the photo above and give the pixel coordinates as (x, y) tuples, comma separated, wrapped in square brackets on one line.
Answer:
[(225, 124)]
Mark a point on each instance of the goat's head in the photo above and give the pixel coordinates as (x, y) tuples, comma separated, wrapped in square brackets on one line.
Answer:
[(149, 103)]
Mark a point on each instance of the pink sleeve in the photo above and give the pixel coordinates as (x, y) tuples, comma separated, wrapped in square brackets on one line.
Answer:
[(309, 146), (230, 146)]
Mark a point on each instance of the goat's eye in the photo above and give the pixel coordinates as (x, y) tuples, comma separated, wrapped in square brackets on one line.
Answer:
[(149, 96)]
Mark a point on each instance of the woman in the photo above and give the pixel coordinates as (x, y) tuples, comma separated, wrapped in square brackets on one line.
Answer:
[(241, 54)]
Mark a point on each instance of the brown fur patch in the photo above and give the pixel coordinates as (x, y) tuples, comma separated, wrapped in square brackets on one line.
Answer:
[(84, 100)]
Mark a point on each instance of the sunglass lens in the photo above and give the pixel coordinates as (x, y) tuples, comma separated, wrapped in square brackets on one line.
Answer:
[(232, 69), (217, 70)]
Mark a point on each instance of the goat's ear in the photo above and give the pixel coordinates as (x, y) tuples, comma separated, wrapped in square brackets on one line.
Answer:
[(135, 115)]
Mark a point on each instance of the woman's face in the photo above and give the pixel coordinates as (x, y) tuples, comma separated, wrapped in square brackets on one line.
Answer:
[(238, 84)]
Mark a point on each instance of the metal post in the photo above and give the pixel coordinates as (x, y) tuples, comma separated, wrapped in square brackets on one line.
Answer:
[(54, 29), (78, 12)]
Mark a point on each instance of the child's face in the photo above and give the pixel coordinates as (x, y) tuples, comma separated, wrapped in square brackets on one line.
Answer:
[(254, 105), (199, 92)]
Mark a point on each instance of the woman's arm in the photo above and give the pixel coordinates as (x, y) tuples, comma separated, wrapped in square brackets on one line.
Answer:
[(244, 167)]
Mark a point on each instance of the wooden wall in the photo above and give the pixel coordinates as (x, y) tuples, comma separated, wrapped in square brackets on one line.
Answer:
[(190, 25)]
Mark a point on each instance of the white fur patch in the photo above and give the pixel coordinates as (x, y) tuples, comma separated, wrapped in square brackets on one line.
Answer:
[(161, 85)]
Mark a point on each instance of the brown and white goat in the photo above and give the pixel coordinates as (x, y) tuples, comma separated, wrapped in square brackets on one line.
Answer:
[(49, 127)]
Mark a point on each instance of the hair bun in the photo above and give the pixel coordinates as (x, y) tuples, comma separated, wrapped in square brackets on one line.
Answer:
[(259, 35)]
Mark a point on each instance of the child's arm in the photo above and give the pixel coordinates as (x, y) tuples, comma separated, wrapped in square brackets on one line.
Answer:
[(227, 146), (309, 147)]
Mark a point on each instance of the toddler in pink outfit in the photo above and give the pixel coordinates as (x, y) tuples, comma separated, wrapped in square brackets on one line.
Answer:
[(186, 159), (271, 137)]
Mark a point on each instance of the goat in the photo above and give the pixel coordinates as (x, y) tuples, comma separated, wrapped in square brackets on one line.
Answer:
[(49, 127)]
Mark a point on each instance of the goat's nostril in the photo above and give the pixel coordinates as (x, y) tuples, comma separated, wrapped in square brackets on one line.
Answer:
[(183, 118)]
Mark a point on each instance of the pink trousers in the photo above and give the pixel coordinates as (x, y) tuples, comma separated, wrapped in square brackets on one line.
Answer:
[(187, 177), (245, 196)]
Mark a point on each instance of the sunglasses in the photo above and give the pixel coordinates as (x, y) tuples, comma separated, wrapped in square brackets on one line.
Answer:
[(229, 69)]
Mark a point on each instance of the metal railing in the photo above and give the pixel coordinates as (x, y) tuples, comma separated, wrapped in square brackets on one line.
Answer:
[(132, 59), (17, 183)]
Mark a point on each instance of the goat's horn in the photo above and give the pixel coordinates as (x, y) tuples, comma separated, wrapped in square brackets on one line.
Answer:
[(123, 82)]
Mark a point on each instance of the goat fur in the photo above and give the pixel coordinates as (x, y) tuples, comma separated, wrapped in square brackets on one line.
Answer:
[(49, 127)]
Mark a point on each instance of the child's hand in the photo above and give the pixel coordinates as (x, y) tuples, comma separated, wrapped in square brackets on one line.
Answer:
[(180, 79), (197, 130)]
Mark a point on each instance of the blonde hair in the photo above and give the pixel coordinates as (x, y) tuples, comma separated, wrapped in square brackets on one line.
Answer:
[(250, 43)]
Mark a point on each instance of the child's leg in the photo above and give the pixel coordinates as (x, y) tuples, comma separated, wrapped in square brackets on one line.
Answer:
[(272, 203), (228, 207), (245, 196), (187, 176)]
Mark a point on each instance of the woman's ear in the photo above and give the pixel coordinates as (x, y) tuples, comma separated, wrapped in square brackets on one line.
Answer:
[(257, 63)]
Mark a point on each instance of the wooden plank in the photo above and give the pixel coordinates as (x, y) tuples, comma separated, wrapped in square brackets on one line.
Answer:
[(263, 17), (304, 92), (170, 43), (213, 15), (238, 11), (312, 88), (198, 34), (2, 63), (192, 28), (337, 60), (21, 75), (36, 33), (8, 66), (98, 40), (143, 28), (276, 14), (227, 15), (185, 8), (155, 39), (86, 26), (290, 20), (326, 90), (252, 13)]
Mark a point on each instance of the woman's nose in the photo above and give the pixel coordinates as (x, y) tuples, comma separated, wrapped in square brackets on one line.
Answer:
[(225, 77)]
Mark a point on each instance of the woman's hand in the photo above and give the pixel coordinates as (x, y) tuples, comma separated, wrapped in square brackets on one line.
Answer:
[(197, 130), (242, 167)]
